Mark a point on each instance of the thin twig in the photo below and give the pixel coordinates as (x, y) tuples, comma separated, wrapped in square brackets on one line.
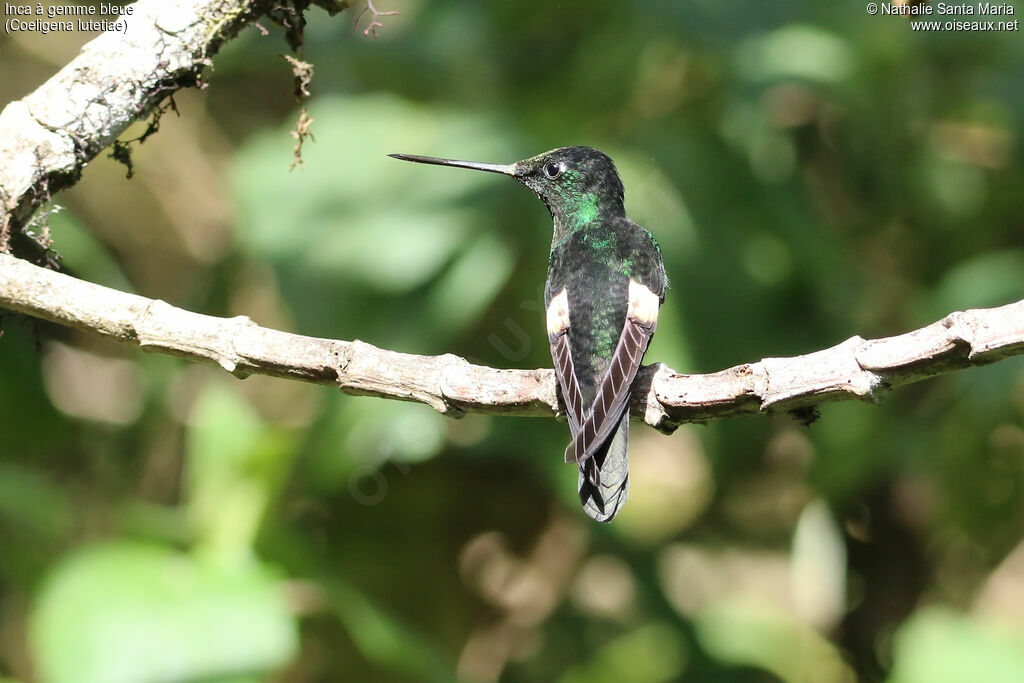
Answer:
[(374, 18)]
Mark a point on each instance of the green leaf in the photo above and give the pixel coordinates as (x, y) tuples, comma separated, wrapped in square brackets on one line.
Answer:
[(471, 283), (384, 639), (234, 463), (130, 613), (743, 633), (989, 279), (796, 51), (28, 500), (937, 645), (353, 210), (651, 653)]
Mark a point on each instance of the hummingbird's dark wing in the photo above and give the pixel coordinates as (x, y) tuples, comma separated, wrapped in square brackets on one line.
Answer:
[(565, 371), (612, 397)]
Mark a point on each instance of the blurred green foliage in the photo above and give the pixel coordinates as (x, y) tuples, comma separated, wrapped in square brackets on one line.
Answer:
[(812, 172), (128, 612)]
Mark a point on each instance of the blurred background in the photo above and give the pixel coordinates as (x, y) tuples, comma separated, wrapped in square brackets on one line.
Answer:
[(811, 171)]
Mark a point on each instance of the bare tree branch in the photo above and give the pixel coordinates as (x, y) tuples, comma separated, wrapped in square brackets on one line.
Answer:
[(857, 368), (48, 137)]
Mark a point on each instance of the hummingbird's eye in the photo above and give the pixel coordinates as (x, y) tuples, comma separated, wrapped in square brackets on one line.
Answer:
[(552, 170)]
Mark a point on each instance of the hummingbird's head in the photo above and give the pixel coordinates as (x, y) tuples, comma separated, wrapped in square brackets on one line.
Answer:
[(577, 184)]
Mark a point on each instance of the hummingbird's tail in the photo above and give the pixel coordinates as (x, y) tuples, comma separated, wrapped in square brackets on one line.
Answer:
[(604, 477)]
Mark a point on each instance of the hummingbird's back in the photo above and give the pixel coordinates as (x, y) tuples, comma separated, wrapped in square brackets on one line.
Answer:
[(597, 269)]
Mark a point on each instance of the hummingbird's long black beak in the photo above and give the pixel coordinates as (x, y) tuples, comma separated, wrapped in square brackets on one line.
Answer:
[(505, 169)]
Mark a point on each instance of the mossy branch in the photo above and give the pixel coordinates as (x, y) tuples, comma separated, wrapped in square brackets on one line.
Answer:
[(47, 137)]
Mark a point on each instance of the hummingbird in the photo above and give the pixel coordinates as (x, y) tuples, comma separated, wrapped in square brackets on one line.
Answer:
[(605, 284)]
